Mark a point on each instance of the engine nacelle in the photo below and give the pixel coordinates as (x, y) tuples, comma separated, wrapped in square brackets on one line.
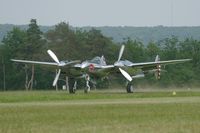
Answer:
[(138, 76)]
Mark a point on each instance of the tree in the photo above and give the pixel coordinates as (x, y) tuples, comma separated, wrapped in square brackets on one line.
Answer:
[(71, 44), (32, 50), (152, 50), (62, 41), (169, 47), (134, 51), (12, 43), (190, 48), (97, 44)]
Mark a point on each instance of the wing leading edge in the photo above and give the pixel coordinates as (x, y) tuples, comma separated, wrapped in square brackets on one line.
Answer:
[(47, 63), (151, 64), (35, 62)]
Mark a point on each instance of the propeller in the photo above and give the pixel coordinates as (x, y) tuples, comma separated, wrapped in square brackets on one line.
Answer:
[(60, 64), (120, 64), (121, 53), (125, 74), (56, 78), (158, 69), (53, 56)]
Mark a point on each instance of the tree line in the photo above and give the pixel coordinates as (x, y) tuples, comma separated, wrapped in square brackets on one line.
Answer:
[(73, 44)]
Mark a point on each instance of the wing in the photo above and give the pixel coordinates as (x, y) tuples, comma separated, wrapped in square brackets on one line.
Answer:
[(35, 62), (46, 63), (107, 68), (153, 64)]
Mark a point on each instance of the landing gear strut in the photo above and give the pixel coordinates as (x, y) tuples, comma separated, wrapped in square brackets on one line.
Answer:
[(72, 86), (129, 88), (87, 88)]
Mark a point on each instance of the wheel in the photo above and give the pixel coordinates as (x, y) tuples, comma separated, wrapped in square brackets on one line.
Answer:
[(71, 86), (71, 90), (87, 89), (129, 88)]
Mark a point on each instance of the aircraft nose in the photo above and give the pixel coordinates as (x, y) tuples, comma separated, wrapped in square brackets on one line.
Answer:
[(84, 65), (118, 64)]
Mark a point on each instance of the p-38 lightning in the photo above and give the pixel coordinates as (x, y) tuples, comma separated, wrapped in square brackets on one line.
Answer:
[(97, 68)]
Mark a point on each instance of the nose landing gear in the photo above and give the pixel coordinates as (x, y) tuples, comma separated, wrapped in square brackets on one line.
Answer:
[(87, 89)]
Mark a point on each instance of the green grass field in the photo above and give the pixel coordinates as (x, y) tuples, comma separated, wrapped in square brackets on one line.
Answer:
[(100, 112)]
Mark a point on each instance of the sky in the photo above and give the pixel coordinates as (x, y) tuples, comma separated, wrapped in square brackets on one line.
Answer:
[(102, 12)]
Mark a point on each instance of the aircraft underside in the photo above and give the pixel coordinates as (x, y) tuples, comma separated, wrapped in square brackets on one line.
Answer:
[(72, 84)]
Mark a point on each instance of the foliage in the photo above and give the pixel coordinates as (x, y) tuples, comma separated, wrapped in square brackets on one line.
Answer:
[(144, 34), (51, 112), (67, 43)]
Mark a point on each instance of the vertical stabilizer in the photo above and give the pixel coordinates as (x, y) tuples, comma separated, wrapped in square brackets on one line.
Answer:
[(157, 58), (103, 61)]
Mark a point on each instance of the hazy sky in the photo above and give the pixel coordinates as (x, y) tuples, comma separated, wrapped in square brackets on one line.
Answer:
[(102, 12)]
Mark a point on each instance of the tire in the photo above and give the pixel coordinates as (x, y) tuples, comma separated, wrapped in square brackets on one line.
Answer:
[(71, 86), (86, 90), (129, 88), (71, 91)]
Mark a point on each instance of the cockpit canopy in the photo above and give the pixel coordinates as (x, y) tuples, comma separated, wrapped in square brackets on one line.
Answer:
[(98, 60)]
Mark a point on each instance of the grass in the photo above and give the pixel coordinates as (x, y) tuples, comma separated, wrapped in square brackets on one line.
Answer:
[(26, 96), (100, 112)]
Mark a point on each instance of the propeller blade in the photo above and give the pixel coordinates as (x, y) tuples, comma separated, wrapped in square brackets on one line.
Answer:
[(121, 52), (53, 56), (126, 75), (56, 78)]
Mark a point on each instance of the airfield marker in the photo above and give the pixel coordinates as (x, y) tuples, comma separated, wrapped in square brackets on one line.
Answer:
[(174, 93)]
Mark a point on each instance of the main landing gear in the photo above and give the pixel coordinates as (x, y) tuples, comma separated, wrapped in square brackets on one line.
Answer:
[(129, 87), (73, 85)]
